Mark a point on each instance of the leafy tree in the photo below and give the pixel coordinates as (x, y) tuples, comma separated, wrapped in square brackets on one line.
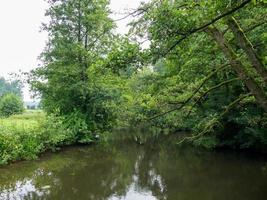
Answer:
[(205, 70), (209, 65), (14, 87), (11, 104), (80, 35)]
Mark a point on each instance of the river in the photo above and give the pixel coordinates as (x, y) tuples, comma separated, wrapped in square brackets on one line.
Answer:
[(136, 172)]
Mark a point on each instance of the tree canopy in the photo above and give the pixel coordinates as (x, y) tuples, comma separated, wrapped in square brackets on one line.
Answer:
[(205, 70), (10, 104)]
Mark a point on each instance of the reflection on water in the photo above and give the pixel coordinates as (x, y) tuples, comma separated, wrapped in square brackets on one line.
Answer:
[(133, 172)]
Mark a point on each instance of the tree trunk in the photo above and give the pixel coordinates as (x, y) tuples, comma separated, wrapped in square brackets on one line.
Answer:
[(246, 45), (237, 66), (79, 22)]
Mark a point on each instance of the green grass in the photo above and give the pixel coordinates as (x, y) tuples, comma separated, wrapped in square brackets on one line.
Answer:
[(25, 136), (27, 120), (20, 136)]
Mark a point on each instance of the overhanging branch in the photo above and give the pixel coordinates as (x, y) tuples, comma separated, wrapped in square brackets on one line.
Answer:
[(193, 94), (209, 90), (215, 120), (195, 30)]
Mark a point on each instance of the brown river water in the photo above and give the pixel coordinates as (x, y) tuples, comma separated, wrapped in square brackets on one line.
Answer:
[(128, 171)]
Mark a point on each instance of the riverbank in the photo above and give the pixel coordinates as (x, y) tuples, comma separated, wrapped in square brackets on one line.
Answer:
[(25, 136), (20, 136)]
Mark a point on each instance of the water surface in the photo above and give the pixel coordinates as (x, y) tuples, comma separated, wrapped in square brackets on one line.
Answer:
[(134, 172)]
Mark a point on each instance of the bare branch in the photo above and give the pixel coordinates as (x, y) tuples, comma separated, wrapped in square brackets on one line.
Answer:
[(135, 13)]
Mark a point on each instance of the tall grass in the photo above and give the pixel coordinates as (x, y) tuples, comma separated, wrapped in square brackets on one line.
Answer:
[(25, 136)]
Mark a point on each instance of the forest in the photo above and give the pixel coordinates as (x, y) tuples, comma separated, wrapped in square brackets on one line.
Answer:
[(191, 67)]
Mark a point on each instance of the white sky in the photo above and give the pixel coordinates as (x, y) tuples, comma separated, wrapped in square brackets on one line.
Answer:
[(21, 41)]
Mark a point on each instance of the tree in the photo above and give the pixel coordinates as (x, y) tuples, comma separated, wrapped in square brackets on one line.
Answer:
[(210, 65), (206, 59), (80, 34), (13, 86), (11, 104)]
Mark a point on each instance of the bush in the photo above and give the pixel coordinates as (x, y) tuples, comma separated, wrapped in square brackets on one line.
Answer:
[(10, 104), (25, 136), (20, 137)]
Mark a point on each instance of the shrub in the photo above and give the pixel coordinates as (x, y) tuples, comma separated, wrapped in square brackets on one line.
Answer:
[(25, 136), (10, 104)]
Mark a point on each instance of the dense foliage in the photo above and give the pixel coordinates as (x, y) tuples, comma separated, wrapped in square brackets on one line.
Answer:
[(10, 97), (80, 33), (210, 69), (205, 70), (27, 135), (10, 104)]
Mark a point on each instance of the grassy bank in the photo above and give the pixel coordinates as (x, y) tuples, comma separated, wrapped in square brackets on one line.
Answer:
[(25, 136), (20, 136)]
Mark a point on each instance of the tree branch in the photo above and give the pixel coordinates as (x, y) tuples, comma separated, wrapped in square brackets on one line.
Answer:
[(215, 120), (252, 27), (135, 13), (209, 90), (190, 32), (193, 94)]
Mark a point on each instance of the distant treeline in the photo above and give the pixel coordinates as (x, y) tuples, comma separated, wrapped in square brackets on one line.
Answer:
[(13, 86)]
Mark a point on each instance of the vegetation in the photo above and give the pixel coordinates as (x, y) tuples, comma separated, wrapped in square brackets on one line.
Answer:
[(204, 71), (27, 135), (10, 97), (80, 33), (200, 85), (211, 60), (10, 104), (14, 87)]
